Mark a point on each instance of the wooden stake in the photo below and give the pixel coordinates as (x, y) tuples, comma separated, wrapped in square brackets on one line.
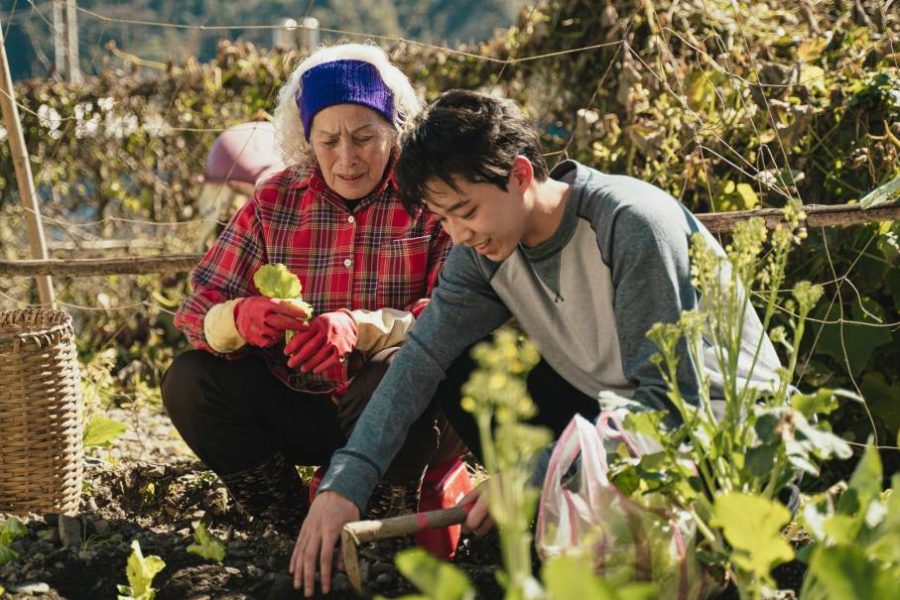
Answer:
[(73, 68), (23, 173)]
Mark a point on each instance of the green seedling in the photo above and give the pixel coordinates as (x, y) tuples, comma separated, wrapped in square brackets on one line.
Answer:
[(101, 432), (140, 571), (10, 530), (206, 545)]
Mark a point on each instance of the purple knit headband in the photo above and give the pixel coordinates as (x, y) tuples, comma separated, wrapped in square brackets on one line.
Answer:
[(343, 82)]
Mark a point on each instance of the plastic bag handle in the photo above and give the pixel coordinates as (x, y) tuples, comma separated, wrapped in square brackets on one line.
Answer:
[(617, 433)]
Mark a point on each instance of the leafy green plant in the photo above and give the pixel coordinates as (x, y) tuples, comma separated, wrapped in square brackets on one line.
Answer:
[(275, 281), (728, 472), (497, 396), (855, 554), (10, 530), (573, 576), (207, 545), (140, 571), (436, 579), (102, 431)]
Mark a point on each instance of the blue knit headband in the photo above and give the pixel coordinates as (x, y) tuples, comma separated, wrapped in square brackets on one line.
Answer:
[(343, 82)]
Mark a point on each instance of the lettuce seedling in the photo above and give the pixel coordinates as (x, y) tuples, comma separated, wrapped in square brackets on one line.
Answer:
[(206, 545), (140, 571), (275, 281)]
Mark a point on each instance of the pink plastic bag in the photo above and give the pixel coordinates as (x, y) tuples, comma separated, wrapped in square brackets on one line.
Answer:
[(589, 514)]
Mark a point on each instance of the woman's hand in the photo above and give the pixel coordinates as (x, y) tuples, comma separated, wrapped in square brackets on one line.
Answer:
[(262, 321), (325, 341)]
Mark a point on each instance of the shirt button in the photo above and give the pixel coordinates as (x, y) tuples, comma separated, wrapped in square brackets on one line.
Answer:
[(350, 219), (347, 262)]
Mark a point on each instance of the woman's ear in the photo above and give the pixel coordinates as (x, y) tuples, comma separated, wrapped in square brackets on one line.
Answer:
[(521, 174)]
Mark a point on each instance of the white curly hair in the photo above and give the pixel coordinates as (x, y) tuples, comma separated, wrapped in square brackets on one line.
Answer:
[(289, 128)]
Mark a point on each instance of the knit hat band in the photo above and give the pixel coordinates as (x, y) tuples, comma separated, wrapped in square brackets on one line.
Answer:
[(343, 82)]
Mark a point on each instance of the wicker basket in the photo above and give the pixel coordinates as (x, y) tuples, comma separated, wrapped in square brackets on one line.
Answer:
[(40, 413)]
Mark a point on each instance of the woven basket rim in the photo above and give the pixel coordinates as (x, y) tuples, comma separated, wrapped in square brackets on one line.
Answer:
[(56, 322)]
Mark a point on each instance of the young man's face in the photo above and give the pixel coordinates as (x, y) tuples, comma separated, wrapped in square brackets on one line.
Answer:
[(480, 215)]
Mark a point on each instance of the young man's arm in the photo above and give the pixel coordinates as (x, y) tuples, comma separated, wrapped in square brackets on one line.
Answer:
[(647, 245), (463, 309)]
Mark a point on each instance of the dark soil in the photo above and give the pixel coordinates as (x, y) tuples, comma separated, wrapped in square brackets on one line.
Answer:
[(158, 505), (149, 488)]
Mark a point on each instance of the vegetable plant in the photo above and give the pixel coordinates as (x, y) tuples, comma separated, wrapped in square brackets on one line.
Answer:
[(729, 472), (140, 571), (207, 545), (10, 530), (275, 281)]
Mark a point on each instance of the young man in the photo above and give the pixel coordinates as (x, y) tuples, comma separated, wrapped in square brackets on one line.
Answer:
[(586, 262)]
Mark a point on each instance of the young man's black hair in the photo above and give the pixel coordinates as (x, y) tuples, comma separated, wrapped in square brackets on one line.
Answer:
[(468, 135)]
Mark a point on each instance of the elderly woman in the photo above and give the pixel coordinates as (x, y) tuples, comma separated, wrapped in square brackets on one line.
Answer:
[(252, 407)]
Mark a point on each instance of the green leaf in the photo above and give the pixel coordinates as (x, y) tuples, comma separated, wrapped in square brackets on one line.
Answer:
[(207, 546), (101, 432), (140, 571), (760, 460), (570, 576), (275, 281), (822, 401), (438, 580), (864, 485), (752, 525), (884, 194), (12, 529), (846, 572), (7, 554), (817, 440), (881, 397)]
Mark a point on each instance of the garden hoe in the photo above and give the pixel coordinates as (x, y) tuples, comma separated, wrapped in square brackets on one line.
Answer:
[(360, 532)]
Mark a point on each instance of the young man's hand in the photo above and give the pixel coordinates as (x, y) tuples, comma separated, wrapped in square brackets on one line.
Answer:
[(479, 520), (323, 342), (320, 533), (262, 321)]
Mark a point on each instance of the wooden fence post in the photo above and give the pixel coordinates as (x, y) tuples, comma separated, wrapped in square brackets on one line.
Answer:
[(23, 173)]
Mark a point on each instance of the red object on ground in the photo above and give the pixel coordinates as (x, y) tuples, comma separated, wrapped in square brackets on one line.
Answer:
[(444, 486)]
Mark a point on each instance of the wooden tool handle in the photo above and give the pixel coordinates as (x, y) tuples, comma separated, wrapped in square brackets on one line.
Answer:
[(367, 531)]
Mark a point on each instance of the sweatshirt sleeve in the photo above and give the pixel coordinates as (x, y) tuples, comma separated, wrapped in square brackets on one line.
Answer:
[(647, 245), (463, 310)]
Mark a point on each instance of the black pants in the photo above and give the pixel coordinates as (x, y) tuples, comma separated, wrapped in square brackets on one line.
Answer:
[(556, 399), (234, 415)]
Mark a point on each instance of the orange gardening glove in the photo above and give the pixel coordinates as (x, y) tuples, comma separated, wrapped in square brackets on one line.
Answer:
[(262, 321), (325, 341)]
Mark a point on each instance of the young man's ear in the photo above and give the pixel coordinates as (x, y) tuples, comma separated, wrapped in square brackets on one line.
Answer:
[(521, 174)]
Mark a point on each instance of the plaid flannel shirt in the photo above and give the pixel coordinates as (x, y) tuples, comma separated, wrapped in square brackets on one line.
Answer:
[(374, 257)]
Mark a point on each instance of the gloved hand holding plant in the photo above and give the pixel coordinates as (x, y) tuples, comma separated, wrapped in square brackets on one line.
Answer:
[(261, 319)]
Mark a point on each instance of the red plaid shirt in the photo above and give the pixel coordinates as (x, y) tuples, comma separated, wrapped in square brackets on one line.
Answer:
[(373, 257)]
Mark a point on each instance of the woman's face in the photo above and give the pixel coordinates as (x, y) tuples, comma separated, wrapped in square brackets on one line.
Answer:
[(352, 145)]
